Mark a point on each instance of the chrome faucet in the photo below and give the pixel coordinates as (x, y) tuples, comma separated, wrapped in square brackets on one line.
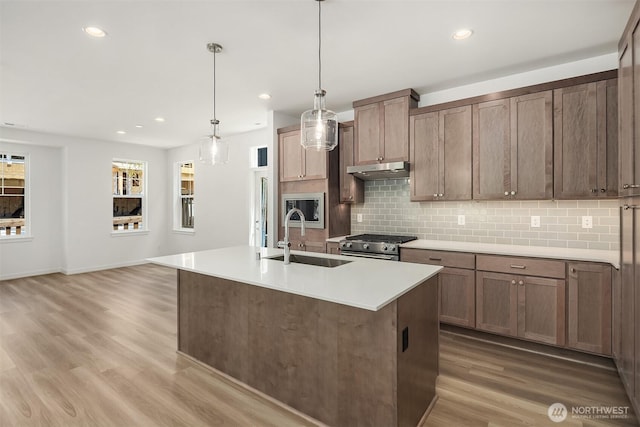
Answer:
[(286, 244)]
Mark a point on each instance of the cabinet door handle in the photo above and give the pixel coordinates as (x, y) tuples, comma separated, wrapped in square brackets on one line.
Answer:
[(627, 186), (603, 190), (513, 193), (513, 282), (573, 270), (433, 258), (594, 190), (627, 207), (521, 283), (440, 195), (521, 267), (506, 193), (435, 194)]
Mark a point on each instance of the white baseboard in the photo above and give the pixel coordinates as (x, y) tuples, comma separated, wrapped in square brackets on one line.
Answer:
[(70, 271)]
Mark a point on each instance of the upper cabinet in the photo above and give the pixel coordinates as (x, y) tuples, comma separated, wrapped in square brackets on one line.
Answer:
[(440, 149), (382, 127), (296, 163), (513, 148), (586, 140), (351, 188), (629, 102)]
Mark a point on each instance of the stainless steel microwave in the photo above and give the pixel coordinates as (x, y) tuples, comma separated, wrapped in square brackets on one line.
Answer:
[(311, 204)]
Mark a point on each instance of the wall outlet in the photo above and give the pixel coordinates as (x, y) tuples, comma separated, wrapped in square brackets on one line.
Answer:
[(461, 220), (587, 222), (359, 217), (535, 222)]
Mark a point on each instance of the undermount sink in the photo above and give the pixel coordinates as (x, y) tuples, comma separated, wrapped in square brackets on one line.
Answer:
[(311, 260)]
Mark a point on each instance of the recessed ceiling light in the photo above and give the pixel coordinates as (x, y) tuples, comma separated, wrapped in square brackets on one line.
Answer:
[(462, 33), (159, 119), (138, 126), (95, 32), (120, 132), (257, 123), (264, 96)]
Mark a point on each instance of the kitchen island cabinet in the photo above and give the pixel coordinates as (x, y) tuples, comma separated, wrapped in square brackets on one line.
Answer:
[(343, 350)]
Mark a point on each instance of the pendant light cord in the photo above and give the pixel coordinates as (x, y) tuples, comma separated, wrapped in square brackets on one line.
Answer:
[(214, 85), (319, 44)]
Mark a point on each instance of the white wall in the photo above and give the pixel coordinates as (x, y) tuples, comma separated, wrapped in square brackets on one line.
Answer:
[(514, 81), (223, 195), (71, 206), (41, 253)]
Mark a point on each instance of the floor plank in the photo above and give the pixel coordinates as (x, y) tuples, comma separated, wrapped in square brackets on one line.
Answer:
[(99, 349)]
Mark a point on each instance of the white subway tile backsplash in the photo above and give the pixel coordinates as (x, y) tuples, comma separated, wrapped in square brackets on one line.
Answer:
[(387, 209)]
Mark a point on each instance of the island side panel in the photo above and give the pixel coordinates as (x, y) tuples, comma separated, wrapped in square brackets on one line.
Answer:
[(293, 341), (213, 322), (418, 364), (367, 365)]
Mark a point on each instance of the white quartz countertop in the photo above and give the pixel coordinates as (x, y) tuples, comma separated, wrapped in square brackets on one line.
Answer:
[(364, 283), (592, 255)]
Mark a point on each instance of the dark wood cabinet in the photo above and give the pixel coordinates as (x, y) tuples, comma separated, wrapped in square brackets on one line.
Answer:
[(589, 307), (382, 127), (527, 307), (626, 159), (522, 304), (513, 148), (333, 248), (308, 246), (305, 172), (351, 188), (456, 283), (298, 164), (440, 151), (586, 141)]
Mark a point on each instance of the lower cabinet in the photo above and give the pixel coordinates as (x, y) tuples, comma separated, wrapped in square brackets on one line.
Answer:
[(308, 246), (457, 296), (589, 307), (333, 248), (521, 306), (456, 284)]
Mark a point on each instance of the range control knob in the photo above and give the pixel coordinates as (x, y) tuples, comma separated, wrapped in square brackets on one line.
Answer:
[(365, 246), (348, 244), (384, 248), (392, 248)]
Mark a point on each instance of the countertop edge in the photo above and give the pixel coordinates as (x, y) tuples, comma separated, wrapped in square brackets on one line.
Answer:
[(564, 254)]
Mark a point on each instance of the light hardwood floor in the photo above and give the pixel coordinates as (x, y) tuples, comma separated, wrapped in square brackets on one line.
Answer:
[(98, 349)]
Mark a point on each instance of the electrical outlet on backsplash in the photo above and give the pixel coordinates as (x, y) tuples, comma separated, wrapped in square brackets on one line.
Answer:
[(387, 209)]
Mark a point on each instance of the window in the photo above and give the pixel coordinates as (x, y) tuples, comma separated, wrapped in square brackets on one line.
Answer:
[(129, 189), (186, 181), (13, 180), (258, 157)]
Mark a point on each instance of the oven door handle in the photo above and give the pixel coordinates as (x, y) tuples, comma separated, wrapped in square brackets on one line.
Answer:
[(375, 256)]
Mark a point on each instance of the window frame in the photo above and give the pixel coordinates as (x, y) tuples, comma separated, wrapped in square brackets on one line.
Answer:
[(178, 197), (24, 234), (145, 199)]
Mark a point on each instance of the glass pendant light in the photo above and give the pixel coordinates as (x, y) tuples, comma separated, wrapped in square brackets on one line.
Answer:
[(214, 150), (319, 127)]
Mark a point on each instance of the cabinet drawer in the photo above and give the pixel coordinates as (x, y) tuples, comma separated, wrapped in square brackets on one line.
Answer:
[(521, 266), (444, 258)]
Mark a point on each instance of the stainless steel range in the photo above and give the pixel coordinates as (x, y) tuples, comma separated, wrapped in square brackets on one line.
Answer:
[(379, 246)]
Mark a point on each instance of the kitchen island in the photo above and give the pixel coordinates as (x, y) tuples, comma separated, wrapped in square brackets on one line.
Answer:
[(354, 344)]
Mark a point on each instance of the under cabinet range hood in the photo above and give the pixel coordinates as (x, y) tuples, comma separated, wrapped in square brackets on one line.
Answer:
[(380, 171)]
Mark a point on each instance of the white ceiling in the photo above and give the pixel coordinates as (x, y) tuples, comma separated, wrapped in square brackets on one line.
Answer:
[(154, 61)]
